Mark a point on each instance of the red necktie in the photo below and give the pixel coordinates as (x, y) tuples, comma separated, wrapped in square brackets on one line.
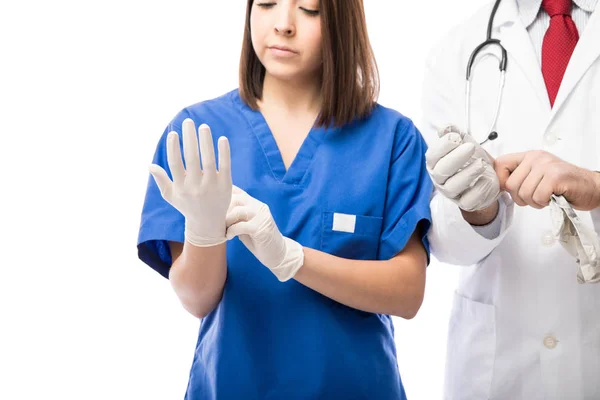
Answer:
[(558, 45)]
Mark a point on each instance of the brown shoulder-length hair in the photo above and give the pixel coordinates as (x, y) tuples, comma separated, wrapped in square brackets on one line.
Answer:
[(350, 79)]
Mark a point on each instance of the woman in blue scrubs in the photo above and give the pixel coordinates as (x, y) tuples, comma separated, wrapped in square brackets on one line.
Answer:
[(327, 220)]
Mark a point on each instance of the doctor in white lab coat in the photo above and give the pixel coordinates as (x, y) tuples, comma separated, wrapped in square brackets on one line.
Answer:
[(522, 327)]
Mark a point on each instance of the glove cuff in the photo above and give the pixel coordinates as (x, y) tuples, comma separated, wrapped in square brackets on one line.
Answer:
[(292, 262), (199, 240)]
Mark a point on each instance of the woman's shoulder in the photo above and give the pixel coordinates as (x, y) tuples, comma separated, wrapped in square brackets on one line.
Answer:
[(215, 110), (381, 111), (392, 118), (402, 131)]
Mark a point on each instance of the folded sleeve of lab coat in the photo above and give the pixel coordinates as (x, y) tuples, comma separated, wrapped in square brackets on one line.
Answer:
[(452, 239), (493, 229)]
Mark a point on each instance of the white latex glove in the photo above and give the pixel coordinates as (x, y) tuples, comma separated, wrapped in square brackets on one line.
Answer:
[(462, 170), (251, 220), (201, 195), (579, 240)]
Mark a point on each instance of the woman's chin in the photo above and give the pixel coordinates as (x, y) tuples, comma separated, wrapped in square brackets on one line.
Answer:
[(286, 74)]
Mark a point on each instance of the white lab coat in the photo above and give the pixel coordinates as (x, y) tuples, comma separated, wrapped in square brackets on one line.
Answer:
[(521, 326)]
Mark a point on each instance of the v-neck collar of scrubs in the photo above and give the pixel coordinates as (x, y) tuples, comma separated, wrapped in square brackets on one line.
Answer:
[(297, 170)]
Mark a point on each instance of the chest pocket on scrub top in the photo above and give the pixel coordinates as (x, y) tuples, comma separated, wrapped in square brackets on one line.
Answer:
[(350, 236)]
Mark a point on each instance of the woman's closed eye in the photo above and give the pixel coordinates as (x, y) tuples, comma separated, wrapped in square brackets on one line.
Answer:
[(310, 12), (266, 5)]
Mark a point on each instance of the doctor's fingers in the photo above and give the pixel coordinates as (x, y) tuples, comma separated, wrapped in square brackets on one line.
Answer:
[(528, 189), (451, 163), (162, 180), (543, 191), (506, 164), (174, 158), (461, 181), (441, 147), (190, 149), (515, 180)]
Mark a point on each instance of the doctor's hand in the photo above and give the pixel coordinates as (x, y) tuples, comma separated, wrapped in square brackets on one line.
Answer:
[(462, 170), (201, 195), (251, 220), (532, 177)]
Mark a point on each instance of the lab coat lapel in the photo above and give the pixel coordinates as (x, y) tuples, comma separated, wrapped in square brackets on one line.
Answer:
[(515, 39), (585, 54)]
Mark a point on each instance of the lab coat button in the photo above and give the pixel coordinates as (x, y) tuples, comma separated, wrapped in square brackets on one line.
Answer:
[(550, 138), (550, 342), (548, 239)]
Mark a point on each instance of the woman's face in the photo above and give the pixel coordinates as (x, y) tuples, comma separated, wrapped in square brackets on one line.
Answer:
[(286, 36)]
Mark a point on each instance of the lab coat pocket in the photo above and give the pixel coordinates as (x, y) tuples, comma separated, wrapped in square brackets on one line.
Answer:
[(351, 236), (471, 350)]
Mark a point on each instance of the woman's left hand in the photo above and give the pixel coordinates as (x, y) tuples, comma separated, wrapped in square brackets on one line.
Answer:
[(251, 220)]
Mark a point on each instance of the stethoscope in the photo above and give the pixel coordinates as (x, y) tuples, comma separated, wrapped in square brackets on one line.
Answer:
[(559, 201), (492, 133)]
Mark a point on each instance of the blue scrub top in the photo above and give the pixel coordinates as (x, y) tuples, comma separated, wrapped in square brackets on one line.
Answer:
[(272, 340)]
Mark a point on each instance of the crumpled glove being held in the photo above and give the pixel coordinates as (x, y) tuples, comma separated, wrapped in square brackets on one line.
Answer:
[(578, 239)]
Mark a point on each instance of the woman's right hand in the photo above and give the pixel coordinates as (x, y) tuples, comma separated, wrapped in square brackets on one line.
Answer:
[(202, 195)]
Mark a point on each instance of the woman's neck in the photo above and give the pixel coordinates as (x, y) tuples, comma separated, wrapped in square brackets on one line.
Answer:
[(291, 97)]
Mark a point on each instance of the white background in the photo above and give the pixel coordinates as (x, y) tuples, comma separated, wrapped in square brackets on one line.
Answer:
[(86, 89)]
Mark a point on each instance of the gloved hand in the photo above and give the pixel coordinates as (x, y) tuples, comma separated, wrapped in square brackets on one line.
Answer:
[(251, 220), (462, 170), (579, 240), (201, 195)]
